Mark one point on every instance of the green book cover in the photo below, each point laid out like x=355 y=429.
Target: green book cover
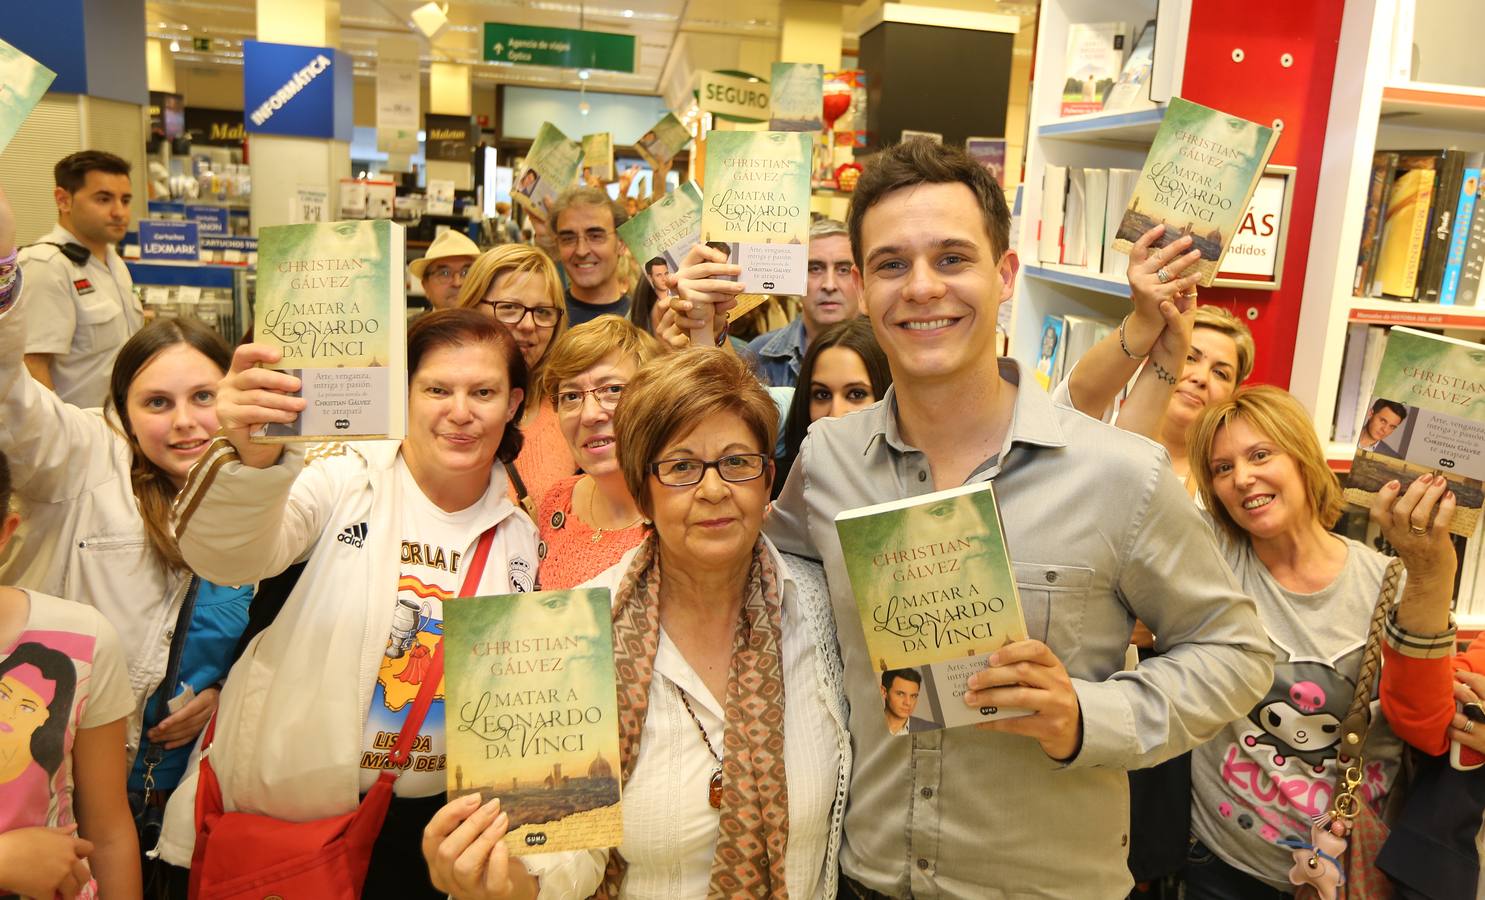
x=797 y=100
x=1201 y=172
x=23 y=81
x=756 y=206
x=331 y=298
x=666 y=231
x=531 y=714
x=663 y=141
x=551 y=167
x=598 y=157
x=1426 y=416
x=936 y=593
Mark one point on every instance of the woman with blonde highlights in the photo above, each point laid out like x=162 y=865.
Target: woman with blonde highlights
x=1261 y=470
x=734 y=747
x=519 y=287
x=588 y=521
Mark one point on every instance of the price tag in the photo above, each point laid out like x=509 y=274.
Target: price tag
x=231 y=256
x=188 y=294
x=156 y=296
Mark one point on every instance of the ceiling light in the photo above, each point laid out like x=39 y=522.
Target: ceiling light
x=583 y=74
x=175 y=46
x=628 y=13
x=430 y=18
x=583 y=108
x=752 y=80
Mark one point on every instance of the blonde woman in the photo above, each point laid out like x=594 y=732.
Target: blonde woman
x=519 y=287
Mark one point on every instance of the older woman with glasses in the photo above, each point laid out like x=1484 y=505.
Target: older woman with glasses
x=518 y=285
x=588 y=521
x=734 y=746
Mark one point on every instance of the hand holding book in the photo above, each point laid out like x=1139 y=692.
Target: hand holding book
x=705 y=289
x=467 y=855
x=1156 y=277
x=252 y=396
x=1416 y=523
x=1027 y=675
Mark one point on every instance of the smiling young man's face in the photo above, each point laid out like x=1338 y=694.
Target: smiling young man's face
x=932 y=283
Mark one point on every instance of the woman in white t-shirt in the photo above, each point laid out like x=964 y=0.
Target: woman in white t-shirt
x=65 y=826
x=388 y=531
x=1259 y=784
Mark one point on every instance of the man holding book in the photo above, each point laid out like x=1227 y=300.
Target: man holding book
x=586 y=223
x=1100 y=533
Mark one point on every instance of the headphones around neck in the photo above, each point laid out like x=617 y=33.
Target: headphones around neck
x=76 y=253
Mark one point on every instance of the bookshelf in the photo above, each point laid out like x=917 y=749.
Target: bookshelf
x=1370 y=112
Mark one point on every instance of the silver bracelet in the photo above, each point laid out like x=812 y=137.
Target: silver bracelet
x=1123 y=346
x=1163 y=373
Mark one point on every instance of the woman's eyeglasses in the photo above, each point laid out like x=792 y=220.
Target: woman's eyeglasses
x=735 y=467
x=508 y=313
x=607 y=397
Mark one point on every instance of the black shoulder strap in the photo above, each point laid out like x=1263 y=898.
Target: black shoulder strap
x=170 y=685
x=522 y=497
x=76 y=253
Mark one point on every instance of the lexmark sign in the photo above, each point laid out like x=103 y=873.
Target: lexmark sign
x=294 y=85
x=293 y=90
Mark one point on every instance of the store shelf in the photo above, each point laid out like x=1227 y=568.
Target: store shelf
x=1079 y=277
x=1136 y=127
x=1375 y=311
x=1441 y=106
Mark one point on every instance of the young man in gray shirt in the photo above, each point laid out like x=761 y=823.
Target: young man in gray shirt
x=1099 y=531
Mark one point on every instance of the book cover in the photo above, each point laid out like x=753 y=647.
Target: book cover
x=531 y=714
x=1201 y=172
x=598 y=157
x=1404 y=232
x=1432 y=421
x=936 y=592
x=1473 y=267
x=796 y=92
x=1384 y=163
x=663 y=141
x=665 y=231
x=1440 y=222
x=1132 y=90
x=756 y=206
x=1459 y=229
x=331 y=298
x=551 y=167
x=990 y=153
x=23 y=81
x=1095 y=58
x=1046 y=358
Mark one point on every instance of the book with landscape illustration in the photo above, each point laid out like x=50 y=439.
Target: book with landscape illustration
x=23 y=81
x=331 y=299
x=756 y=207
x=1431 y=389
x=598 y=157
x=796 y=97
x=551 y=167
x=1201 y=172
x=1095 y=57
x=936 y=593
x=663 y=141
x=1132 y=90
x=531 y=715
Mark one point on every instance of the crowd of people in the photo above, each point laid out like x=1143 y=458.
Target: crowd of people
x=238 y=616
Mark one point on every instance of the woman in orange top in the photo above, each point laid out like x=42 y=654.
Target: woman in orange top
x=588 y=521
x=519 y=286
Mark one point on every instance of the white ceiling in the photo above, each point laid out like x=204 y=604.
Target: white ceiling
x=656 y=24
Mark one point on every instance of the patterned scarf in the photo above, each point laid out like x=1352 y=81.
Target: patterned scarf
x=754 y=830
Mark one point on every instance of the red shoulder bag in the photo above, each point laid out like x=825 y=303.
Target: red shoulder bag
x=244 y=856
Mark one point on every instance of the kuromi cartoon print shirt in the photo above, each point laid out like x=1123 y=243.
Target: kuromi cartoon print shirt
x=1269 y=773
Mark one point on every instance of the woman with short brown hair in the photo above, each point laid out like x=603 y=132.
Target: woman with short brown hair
x=729 y=672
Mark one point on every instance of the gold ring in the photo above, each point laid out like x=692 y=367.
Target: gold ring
x=1416 y=530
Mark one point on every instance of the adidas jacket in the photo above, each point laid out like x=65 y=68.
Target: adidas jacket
x=81 y=535
x=289 y=727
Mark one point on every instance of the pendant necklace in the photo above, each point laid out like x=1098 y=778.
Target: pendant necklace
x=714 y=790
x=598 y=532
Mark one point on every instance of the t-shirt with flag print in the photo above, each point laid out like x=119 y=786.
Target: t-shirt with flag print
x=434 y=546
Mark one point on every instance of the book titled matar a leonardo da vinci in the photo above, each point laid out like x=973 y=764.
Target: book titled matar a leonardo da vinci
x=331 y=299
x=531 y=714
x=1203 y=167
x=756 y=206
x=936 y=593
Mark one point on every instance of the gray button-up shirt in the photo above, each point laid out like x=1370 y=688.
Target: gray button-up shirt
x=1100 y=532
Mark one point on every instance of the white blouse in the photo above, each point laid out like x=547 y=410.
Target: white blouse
x=670 y=828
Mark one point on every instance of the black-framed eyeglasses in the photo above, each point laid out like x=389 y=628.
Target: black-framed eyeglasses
x=596 y=237
x=509 y=313
x=607 y=397
x=734 y=467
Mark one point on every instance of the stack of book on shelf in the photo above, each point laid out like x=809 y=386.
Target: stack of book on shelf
x=1423 y=237
x=1064 y=341
x=1102 y=72
x=1081 y=209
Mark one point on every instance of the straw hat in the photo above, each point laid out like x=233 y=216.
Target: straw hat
x=449 y=243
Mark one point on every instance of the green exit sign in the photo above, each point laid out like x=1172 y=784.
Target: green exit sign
x=569 y=48
x=201 y=45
